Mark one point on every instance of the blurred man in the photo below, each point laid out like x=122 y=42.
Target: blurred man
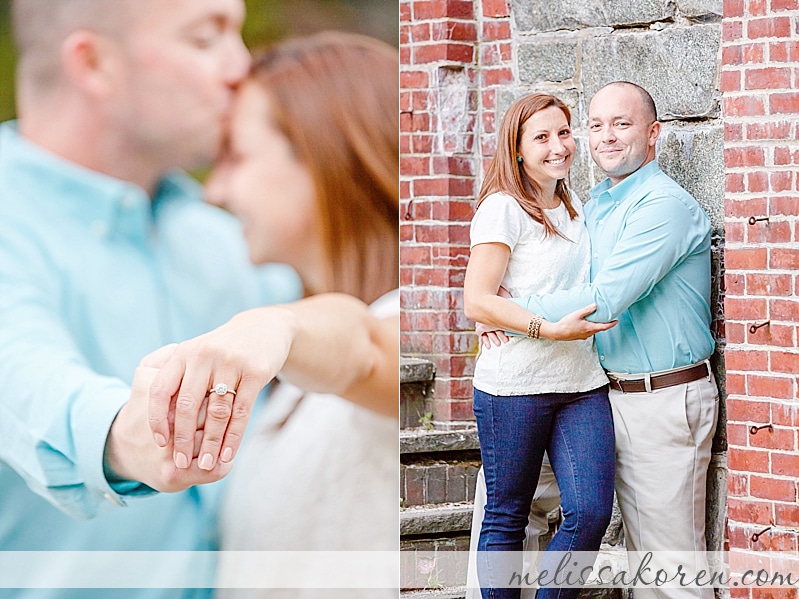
x=106 y=253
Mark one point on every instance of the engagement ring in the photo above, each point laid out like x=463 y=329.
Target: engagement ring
x=223 y=389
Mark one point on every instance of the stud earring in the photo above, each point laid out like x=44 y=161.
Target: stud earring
x=519 y=159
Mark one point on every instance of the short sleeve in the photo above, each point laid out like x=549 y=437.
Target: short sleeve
x=498 y=219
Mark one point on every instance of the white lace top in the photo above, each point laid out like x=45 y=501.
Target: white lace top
x=538 y=264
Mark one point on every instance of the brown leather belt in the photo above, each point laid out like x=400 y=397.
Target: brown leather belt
x=661 y=381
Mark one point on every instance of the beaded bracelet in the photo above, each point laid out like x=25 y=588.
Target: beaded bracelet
x=534 y=326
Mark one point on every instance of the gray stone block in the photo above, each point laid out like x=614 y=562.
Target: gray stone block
x=677 y=66
x=699 y=8
x=422 y=441
x=533 y=16
x=414 y=370
x=547 y=61
x=694 y=157
x=436 y=519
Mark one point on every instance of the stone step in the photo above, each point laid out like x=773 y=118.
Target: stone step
x=436 y=519
x=445 y=593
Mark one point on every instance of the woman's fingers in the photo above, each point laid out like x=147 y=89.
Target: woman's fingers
x=242 y=407
x=193 y=389
x=225 y=392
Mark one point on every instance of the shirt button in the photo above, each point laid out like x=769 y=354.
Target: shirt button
x=128 y=201
x=99 y=228
x=596 y=256
x=617 y=203
x=601 y=357
x=602 y=222
x=112 y=499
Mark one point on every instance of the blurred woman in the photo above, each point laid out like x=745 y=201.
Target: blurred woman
x=311 y=170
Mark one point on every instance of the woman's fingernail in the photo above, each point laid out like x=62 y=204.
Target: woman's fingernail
x=207 y=462
x=181 y=461
x=160 y=440
x=227 y=454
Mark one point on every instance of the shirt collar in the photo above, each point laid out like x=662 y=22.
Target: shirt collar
x=108 y=205
x=625 y=188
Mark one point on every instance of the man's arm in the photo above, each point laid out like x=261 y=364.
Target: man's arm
x=658 y=235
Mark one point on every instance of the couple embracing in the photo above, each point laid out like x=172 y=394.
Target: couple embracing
x=637 y=404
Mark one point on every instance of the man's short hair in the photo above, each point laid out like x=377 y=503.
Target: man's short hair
x=646 y=98
x=41 y=26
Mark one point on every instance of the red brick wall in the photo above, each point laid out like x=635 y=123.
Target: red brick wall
x=760 y=76
x=449 y=49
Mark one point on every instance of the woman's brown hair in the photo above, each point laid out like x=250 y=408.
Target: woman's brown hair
x=335 y=97
x=506 y=174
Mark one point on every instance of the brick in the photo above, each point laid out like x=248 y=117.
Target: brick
x=773 y=387
x=784 y=51
x=743 y=106
x=405 y=11
x=772 y=488
x=414 y=165
x=784 y=258
x=462 y=411
x=788 y=206
x=784 y=103
x=768 y=284
x=775 y=335
x=497 y=76
x=769 y=27
x=744 y=308
x=731 y=30
x=785 y=464
x=777 y=5
x=496 y=30
x=786 y=515
x=769 y=130
x=785 y=413
x=787 y=310
x=730 y=81
x=733 y=132
x=771 y=232
x=416 y=343
x=414 y=79
x=756 y=8
x=746 y=156
x=733 y=8
x=737 y=484
x=777 y=541
x=780 y=181
x=436 y=277
x=756 y=182
x=455 y=31
x=745 y=360
x=784 y=362
x=751 y=512
x=496 y=8
x=746 y=460
x=736 y=385
x=414 y=485
x=746 y=208
x=416 y=255
x=782 y=438
x=733 y=182
x=768 y=78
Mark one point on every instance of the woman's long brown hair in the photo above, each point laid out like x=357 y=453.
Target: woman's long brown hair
x=506 y=174
x=335 y=97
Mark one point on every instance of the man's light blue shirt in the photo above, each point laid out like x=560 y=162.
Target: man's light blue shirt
x=94 y=274
x=650 y=269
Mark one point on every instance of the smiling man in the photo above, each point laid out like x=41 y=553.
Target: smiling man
x=107 y=253
x=650 y=270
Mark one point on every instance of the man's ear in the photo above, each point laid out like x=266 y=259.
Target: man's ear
x=654 y=132
x=90 y=62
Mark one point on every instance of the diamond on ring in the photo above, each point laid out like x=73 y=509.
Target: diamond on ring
x=223 y=389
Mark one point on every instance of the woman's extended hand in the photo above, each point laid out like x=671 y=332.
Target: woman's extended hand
x=574 y=326
x=243 y=354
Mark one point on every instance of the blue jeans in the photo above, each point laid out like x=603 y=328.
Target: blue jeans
x=576 y=430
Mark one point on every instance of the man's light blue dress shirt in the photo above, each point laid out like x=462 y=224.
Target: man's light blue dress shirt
x=93 y=276
x=650 y=269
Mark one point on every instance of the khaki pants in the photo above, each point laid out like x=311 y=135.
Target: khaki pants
x=663 y=442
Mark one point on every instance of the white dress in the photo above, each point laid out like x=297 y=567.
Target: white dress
x=327 y=480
